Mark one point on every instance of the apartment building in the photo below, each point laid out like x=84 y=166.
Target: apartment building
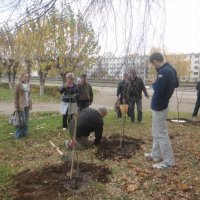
x=194 y=74
x=109 y=66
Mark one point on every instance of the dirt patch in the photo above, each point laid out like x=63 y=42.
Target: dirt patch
x=53 y=182
x=184 y=121
x=110 y=148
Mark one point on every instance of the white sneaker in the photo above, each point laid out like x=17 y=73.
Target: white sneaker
x=64 y=129
x=161 y=165
x=148 y=156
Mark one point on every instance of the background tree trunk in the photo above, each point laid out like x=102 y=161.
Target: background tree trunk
x=9 y=80
x=41 y=89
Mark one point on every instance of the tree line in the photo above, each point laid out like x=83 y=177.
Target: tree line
x=54 y=44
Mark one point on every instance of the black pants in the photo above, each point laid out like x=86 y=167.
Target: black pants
x=66 y=120
x=197 y=105
x=83 y=104
x=138 y=102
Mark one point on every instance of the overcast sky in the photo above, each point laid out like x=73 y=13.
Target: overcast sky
x=183 y=26
x=181 y=29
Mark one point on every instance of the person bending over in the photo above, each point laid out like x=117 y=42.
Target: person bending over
x=89 y=120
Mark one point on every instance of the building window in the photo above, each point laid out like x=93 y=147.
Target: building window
x=196 y=67
x=196 y=73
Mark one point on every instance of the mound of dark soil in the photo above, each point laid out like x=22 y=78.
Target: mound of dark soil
x=110 y=148
x=53 y=182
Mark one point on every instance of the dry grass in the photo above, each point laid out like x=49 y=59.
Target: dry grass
x=130 y=179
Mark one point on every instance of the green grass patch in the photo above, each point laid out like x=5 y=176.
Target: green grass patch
x=6 y=172
x=8 y=96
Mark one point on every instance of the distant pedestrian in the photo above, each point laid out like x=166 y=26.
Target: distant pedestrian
x=122 y=94
x=197 y=105
x=85 y=93
x=163 y=88
x=135 y=89
x=23 y=104
x=69 y=97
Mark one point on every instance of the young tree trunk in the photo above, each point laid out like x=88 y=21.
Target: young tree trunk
x=28 y=66
x=9 y=80
x=0 y=77
x=14 y=77
x=41 y=75
x=41 y=89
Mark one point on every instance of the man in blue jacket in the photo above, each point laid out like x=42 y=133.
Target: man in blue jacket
x=163 y=88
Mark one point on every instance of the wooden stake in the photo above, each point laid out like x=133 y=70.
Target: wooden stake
x=123 y=129
x=74 y=138
x=77 y=166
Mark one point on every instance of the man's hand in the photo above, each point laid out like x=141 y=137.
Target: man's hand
x=72 y=143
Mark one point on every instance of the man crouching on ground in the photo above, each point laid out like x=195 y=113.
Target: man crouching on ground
x=89 y=120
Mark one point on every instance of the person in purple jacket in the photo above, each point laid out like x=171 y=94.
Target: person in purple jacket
x=163 y=88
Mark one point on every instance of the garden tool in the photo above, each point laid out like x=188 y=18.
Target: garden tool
x=64 y=157
x=73 y=147
x=124 y=111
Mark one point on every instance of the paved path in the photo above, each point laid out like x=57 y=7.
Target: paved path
x=107 y=96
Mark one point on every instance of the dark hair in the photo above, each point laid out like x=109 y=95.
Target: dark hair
x=83 y=76
x=156 y=56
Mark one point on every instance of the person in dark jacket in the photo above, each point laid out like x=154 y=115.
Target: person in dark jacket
x=135 y=89
x=85 y=93
x=197 y=105
x=122 y=93
x=163 y=88
x=69 y=97
x=89 y=120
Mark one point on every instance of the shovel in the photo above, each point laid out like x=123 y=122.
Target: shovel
x=64 y=157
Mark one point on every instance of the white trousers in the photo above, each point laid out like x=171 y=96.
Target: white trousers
x=161 y=144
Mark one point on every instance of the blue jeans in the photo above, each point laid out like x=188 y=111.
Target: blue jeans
x=23 y=131
x=138 y=102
